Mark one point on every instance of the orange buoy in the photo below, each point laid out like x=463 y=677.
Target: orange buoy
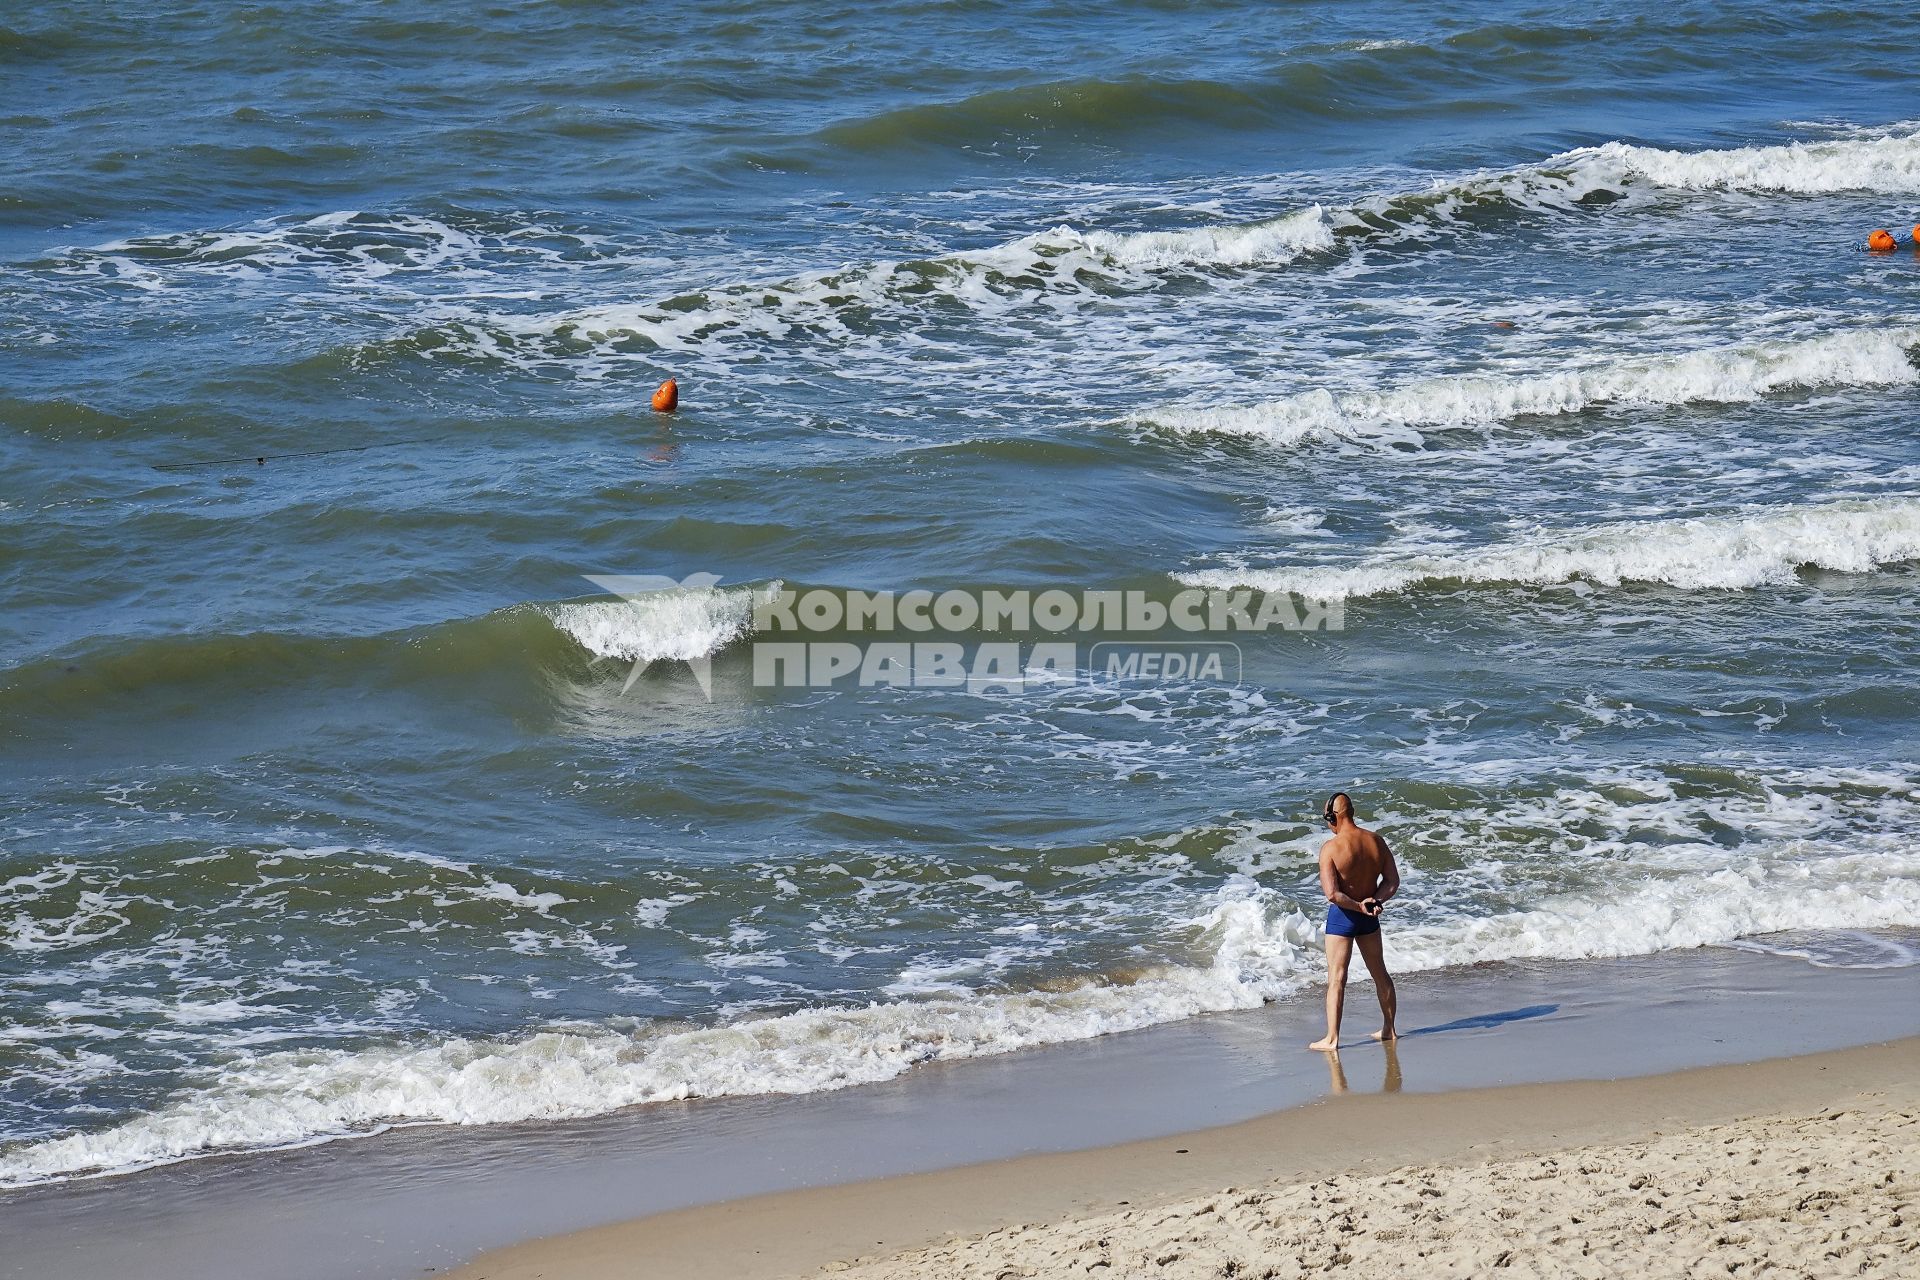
x=1503 y=324
x=1880 y=241
x=667 y=398
x=1916 y=234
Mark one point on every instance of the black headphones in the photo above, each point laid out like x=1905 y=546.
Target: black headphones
x=1328 y=810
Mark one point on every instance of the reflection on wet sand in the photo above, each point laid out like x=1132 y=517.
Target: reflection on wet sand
x=1390 y=1078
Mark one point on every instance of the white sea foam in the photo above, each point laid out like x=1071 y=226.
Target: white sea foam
x=1251 y=945
x=1838 y=949
x=347 y=246
x=1730 y=375
x=1687 y=897
x=1053 y=266
x=1277 y=240
x=1888 y=163
x=680 y=625
x=1750 y=549
x=96 y=917
x=1061 y=259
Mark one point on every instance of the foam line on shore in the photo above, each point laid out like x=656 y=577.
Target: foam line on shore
x=1256 y=947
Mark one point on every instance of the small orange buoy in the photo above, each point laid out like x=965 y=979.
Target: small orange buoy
x=667 y=398
x=1880 y=241
x=1503 y=324
x=1916 y=234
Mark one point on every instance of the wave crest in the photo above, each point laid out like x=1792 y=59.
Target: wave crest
x=1752 y=549
x=1890 y=163
x=1276 y=240
x=678 y=625
x=1733 y=375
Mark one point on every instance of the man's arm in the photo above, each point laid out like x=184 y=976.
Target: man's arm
x=1389 y=874
x=1330 y=883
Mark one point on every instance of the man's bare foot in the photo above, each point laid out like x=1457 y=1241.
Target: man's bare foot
x=1383 y=1035
x=1328 y=1045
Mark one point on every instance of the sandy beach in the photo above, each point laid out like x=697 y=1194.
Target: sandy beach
x=1808 y=1166
x=1818 y=1195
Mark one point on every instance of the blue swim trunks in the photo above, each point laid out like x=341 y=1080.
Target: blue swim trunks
x=1350 y=924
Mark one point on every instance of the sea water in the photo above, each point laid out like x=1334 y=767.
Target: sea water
x=1538 y=341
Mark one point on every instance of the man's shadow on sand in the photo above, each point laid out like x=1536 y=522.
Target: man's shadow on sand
x=1482 y=1021
x=1391 y=1080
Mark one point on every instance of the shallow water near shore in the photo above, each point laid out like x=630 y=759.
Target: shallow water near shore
x=1543 y=341
x=407 y=1202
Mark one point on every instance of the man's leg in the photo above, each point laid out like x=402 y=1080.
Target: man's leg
x=1339 y=956
x=1376 y=958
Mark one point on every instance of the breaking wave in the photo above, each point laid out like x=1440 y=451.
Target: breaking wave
x=1733 y=375
x=677 y=624
x=1060 y=260
x=1071 y=260
x=1889 y=163
x=364 y=248
x=518 y=641
x=1728 y=552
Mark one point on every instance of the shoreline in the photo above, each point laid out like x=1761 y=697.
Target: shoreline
x=872 y=1227
x=424 y=1201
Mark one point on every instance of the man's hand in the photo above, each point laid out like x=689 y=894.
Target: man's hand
x=1372 y=906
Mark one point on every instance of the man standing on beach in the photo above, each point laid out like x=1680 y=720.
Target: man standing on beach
x=1358 y=876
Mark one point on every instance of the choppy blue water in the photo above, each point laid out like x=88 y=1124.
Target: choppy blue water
x=1543 y=337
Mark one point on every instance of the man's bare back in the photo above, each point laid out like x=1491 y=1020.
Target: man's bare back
x=1359 y=860
x=1357 y=876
